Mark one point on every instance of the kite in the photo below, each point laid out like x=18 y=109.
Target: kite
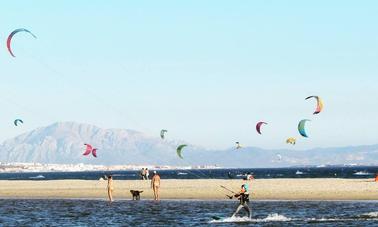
x=301 y=127
x=291 y=140
x=179 y=150
x=89 y=149
x=258 y=126
x=94 y=152
x=162 y=133
x=279 y=157
x=9 y=40
x=319 y=104
x=238 y=145
x=18 y=121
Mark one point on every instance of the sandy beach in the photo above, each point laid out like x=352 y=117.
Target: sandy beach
x=265 y=189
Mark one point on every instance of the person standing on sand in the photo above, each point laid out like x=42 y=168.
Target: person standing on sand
x=110 y=188
x=147 y=174
x=155 y=185
x=142 y=174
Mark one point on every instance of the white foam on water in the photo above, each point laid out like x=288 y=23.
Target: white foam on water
x=370 y=215
x=270 y=218
x=276 y=217
x=281 y=218
x=326 y=219
x=232 y=219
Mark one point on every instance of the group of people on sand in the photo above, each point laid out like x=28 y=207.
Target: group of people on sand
x=144 y=174
x=155 y=186
x=242 y=195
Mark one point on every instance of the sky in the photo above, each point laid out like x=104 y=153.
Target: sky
x=207 y=71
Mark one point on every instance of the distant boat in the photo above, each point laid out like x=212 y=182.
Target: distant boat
x=181 y=173
x=298 y=172
x=37 y=177
x=362 y=173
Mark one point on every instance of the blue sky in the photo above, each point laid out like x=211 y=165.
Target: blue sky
x=205 y=70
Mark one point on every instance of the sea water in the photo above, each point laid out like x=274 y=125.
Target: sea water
x=356 y=172
x=69 y=212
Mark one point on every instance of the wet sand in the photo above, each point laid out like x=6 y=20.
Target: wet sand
x=264 y=189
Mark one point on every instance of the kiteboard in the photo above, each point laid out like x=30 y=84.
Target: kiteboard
x=218 y=219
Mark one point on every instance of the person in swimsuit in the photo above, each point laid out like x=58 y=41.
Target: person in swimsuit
x=155 y=185
x=110 y=188
x=147 y=174
x=143 y=174
x=243 y=197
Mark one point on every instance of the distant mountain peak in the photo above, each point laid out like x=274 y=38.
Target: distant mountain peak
x=63 y=143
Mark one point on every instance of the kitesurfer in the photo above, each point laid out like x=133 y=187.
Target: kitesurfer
x=243 y=197
x=110 y=188
x=155 y=185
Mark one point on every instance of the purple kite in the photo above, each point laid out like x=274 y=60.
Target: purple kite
x=258 y=126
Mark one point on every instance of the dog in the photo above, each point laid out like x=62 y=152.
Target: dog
x=136 y=194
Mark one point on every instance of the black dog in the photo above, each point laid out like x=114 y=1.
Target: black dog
x=136 y=194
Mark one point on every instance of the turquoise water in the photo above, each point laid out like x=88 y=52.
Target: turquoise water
x=18 y=212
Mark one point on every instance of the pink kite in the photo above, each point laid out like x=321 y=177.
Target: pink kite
x=94 y=152
x=88 y=150
x=258 y=126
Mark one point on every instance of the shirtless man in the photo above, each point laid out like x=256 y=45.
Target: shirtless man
x=110 y=188
x=155 y=185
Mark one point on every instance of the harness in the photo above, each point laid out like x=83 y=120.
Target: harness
x=244 y=198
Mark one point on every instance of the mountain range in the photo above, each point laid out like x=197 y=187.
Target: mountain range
x=63 y=143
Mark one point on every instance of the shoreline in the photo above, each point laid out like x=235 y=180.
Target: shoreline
x=317 y=189
x=187 y=200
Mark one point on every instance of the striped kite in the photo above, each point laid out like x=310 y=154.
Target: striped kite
x=9 y=40
x=319 y=104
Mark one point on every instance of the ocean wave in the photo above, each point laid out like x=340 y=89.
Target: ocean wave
x=37 y=177
x=362 y=173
